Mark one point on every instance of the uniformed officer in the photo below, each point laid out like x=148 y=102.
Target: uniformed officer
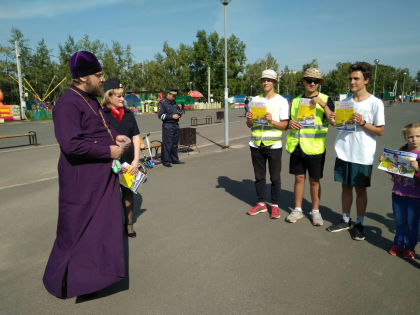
x=170 y=113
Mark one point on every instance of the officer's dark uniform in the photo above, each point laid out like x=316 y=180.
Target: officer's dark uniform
x=170 y=131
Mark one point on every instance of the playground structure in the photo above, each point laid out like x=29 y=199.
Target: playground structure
x=38 y=108
x=8 y=112
x=28 y=87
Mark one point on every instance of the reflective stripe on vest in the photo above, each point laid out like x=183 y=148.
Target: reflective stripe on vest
x=311 y=139
x=267 y=134
x=308 y=135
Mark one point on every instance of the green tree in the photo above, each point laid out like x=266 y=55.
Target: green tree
x=312 y=64
x=8 y=67
x=290 y=82
x=336 y=81
x=253 y=73
x=65 y=51
x=41 y=70
x=96 y=47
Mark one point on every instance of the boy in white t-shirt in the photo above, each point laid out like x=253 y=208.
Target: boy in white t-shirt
x=356 y=149
x=266 y=144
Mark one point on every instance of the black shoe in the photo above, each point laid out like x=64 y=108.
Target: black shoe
x=167 y=164
x=178 y=162
x=357 y=232
x=340 y=226
x=132 y=234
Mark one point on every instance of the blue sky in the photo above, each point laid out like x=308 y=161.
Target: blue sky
x=294 y=32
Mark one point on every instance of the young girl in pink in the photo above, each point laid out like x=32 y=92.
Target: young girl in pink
x=406 y=199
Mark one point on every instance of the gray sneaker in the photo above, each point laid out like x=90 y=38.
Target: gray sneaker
x=294 y=216
x=316 y=218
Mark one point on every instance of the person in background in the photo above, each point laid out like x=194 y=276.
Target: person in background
x=246 y=104
x=170 y=114
x=124 y=122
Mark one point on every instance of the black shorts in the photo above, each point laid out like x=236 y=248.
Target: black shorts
x=314 y=165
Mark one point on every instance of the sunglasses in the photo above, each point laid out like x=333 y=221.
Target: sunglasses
x=309 y=81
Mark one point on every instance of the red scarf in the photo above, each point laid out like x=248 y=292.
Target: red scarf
x=117 y=113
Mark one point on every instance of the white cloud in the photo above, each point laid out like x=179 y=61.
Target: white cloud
x=45 y=8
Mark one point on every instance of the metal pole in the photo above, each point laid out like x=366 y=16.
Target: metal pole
x=208 y=79
x=402 y=92
x=22 y=100
x=226 y=90
x=374 y=81
x=251 y=89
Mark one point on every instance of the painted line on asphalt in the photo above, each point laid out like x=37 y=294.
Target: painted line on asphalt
x=40 y=180
x=29 y=182
x=41 y=146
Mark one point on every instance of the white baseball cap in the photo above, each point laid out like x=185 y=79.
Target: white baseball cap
x=269 y=74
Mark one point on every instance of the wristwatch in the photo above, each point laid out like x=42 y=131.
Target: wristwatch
x=364 y=123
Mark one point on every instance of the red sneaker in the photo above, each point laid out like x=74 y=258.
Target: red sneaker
x=275 y=212
x=408 y=253
x=396 y=250
x=257 y=209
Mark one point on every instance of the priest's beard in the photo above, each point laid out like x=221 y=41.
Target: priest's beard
x=93 y=87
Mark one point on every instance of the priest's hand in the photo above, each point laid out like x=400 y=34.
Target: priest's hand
x=123 y=141
x=116 y=151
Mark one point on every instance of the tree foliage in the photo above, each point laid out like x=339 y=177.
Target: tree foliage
x=184 y=67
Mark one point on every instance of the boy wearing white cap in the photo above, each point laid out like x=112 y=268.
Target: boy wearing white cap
x=266 y=144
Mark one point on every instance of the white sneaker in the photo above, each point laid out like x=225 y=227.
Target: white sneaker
x=294 y=216
x=316 y=218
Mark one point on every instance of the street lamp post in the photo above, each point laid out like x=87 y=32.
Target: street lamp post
x=415 y=89
x=374 y=81
x=402 y=92
x=190 y=85
x=225 y=3
x=251 y=90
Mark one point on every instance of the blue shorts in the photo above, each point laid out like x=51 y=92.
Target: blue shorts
x=352 y=173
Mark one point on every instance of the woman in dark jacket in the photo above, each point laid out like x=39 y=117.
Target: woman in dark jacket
x=123 y=121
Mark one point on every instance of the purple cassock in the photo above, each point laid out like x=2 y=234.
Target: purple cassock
x=88 y=253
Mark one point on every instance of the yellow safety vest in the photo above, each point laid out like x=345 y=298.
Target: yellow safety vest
x=267 y=134
x=311 y=139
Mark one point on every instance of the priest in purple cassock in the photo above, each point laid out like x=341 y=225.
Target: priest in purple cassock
x=88 y=253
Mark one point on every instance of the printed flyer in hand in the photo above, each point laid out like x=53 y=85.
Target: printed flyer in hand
x=130 y=181
x=306 y=113
x=258 y=110
x=398 y=162
x=343 y=113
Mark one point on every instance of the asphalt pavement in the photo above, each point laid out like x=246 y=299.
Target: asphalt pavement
x=197 y=252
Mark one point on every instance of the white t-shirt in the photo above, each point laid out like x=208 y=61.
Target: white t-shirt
x=279 y=109
x=359 y=146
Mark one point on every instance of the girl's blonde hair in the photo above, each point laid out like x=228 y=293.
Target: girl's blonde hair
x=409 y=126
x=107 y=96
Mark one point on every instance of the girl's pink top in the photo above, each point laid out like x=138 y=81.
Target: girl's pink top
x=408 y=187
